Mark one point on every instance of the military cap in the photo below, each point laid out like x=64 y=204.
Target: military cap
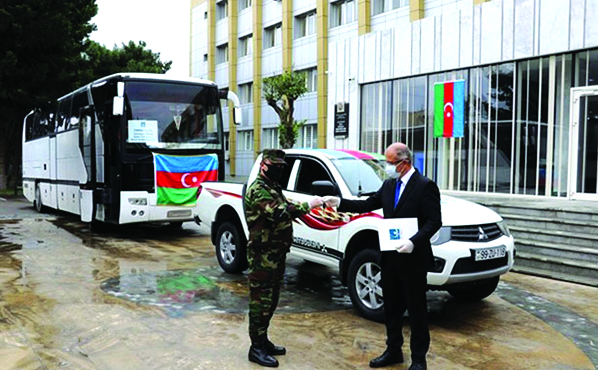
x=274 y=155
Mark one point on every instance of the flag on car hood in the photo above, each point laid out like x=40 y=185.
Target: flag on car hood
x=178 y=177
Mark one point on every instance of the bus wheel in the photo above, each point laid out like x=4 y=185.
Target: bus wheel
x=365 y=288
x=37 y=203
x=231 y=248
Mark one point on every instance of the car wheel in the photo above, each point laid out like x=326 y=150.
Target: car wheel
x=474 y=291
x=38 y=200
x=365 y=288
x=231 y=248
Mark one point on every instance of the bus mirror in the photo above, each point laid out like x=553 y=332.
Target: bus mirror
x=237 y=116
x=120 y=89
x=118 y=106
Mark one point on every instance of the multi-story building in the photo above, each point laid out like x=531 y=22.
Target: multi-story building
x=530 y=69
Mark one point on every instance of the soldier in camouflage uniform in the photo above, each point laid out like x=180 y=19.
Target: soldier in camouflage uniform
x=269 y=218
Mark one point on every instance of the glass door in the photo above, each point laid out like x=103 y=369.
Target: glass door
x=583 y=173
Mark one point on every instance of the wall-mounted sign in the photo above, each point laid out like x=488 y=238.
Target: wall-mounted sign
x=341 y=120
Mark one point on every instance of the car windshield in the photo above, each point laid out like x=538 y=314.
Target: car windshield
x=169 y=115
x=363 y=177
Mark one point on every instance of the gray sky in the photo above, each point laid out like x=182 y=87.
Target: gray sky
x=162 y=24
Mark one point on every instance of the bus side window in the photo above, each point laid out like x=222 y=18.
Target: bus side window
x=79 y=101
x=64 y=111
x=29 y=127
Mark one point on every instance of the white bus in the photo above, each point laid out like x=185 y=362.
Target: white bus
x=100 y=151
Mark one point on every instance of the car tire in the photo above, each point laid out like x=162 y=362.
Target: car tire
x=231 y=248
x=364 y=283
x=474 y=291
x=37 y=203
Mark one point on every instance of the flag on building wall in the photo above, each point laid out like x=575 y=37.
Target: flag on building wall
x=178 y=177
x=449 y=109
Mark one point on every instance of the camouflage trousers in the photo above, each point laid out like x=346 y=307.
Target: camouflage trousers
x=266 y=274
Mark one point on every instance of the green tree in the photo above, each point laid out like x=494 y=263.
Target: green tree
x=98 y=61
x=41 y=42
x=280 y=93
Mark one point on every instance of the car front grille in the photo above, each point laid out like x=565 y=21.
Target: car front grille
x=475 y=233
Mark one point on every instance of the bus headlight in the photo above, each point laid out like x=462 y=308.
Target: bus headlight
x=442 y=236
x=502 y=225
x=138 y=201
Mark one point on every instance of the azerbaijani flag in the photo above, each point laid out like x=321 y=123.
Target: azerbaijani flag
x=178 y=177
x=449 y=109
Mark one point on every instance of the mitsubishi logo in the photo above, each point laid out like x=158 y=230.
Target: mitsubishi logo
x=482 y=234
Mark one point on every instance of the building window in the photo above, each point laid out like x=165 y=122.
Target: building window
x=222 y=10
x=311 y=79
x=245 y=46
x=272 y=36
x=270 y=139
x=308 y=137
x=205 y=15
x=378 y=6
x=222 y=54
x=245 y=141
x=305 y=24
x=205 y=57
x=244 y=4
x=246 y=93
x=342 y=12
x=399 y=3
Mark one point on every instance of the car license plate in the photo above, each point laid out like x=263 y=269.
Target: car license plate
x=490 y=253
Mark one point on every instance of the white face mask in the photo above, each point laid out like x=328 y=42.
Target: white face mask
x=391 y=171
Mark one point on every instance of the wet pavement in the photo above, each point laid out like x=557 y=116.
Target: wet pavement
x=153 y=297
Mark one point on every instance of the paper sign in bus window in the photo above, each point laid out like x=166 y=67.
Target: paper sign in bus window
x=142 y=131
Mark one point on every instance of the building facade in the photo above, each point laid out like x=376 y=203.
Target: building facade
x=530 y=69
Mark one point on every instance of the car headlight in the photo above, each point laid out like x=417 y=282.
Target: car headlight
x=442 y=236
x=502 y=225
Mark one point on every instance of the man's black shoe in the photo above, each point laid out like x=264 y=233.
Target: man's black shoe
x=273 y=349
x=418 y=366
x=389 y=357
x=259 y=355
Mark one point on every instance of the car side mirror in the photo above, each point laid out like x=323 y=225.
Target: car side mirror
x=324 y=187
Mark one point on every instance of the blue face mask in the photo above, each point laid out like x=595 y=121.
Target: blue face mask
x=391 y=171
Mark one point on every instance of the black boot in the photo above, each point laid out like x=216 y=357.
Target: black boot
x=273 y=349
x=259 y=354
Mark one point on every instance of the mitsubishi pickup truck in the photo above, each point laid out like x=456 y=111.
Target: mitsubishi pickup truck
x=471 y=250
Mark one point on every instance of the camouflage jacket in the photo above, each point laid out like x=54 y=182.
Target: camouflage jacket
x=269 y=214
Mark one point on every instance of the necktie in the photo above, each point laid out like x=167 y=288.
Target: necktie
x=398 y=192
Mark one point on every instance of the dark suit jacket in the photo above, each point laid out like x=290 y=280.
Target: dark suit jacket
x=420 y=199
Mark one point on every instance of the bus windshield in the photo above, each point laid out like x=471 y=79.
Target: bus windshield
x=172 y=116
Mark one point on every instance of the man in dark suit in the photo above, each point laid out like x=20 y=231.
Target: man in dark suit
x=407 y=193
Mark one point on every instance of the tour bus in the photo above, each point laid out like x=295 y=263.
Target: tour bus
x=127 y=148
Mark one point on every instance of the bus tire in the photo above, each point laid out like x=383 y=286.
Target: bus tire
x=37 y=203
x=364 y=283
x=231 y=248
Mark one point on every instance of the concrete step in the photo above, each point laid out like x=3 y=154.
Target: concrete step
x=555 y=275
x=557 y=250
x=575 y=269
x=547 y=223
x=559 y=214
x=555 y=237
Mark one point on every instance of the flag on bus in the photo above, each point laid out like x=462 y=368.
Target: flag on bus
x=449 y=109
x=178 y=177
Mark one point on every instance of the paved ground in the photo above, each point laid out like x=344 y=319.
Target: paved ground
x=154 y=298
